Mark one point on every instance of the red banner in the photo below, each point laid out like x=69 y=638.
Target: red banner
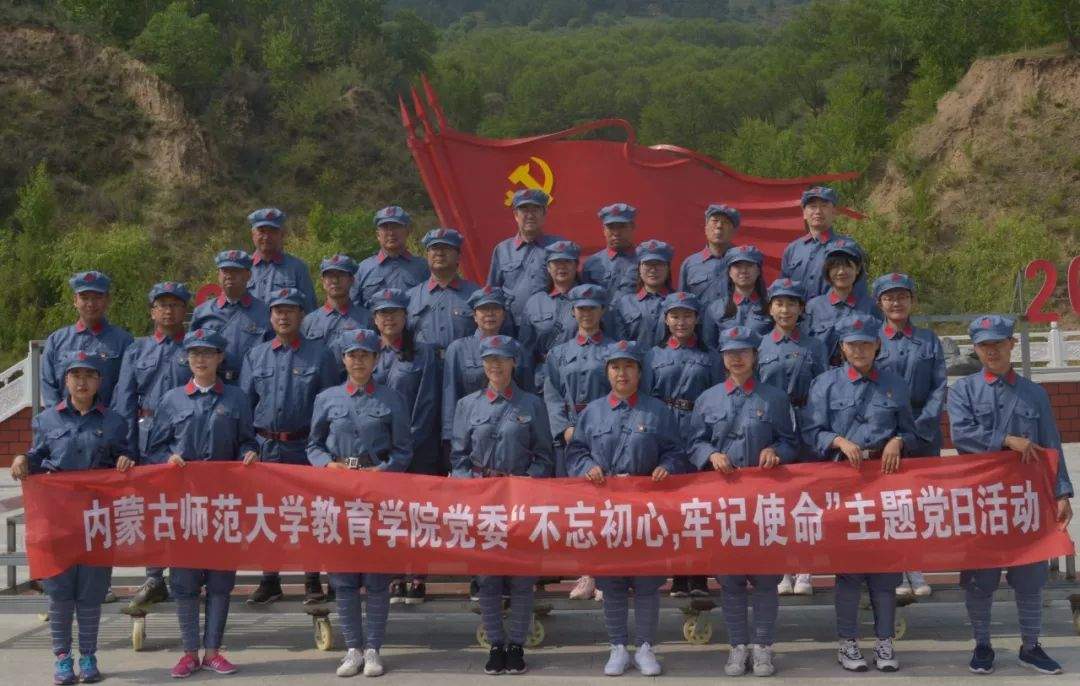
x=470 y=180
x=937 y=514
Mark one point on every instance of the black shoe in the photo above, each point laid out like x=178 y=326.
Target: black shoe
x=313 y=593
x=496 y=663
x=266 y=593
x=506 y=589
x=397 y=591
x=515 y=659
x=331 y=594
x=474 y=590
x=152 y=591
x=699 y=586
x=416 y=594
x=680 y=587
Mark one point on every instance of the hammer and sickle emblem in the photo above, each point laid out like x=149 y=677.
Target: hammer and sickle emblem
x=523 y=175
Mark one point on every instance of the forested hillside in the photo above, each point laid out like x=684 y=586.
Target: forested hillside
x=136 y=134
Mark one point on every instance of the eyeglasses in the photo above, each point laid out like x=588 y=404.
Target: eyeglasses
x=902 y=296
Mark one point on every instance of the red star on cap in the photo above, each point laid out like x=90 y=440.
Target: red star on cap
x=488 y=290
x=199 y=333
x=90 y=276
x=386 y=294
x=81 y=356
x=622 y=345
x=284 y=292
x=360 y=336
x=272 y=214
x=857 y=325
x=652 y=245
x=896 y=277
x=170 y=286
x=335 y=259
x=734 y=333
x=233 y=254
x=681 y=295
x=787 y=282
x=495 y=342
x=986 y=324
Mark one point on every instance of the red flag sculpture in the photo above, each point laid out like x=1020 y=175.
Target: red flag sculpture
x=471 y=179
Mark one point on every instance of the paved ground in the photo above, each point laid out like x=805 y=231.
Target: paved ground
x=276 y=649
x=421 y=648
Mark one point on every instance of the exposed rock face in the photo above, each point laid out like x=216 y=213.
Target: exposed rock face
x=172 y=151
x=1008 y=135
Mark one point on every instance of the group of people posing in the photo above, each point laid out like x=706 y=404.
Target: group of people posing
x=554 y=368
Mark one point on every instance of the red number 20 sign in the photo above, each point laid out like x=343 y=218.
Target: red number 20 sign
x=1049 y=271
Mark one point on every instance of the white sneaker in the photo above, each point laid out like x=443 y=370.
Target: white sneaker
x=646 y=661
x=736 y=661
x=618 y=661
x=803 y=585
x=598 y=596
x=922 y=590
x=918 y=584
x=904 y=589
x=584 y=589
x=351 y=663
x=884 y=657
x=785 y=585
x=373 y=665
x=762 y=657
x=850 y=657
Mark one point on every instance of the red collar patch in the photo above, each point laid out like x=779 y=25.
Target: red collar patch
x=614 y=400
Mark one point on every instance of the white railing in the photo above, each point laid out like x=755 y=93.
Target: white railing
x=15 y=388
x=1054 y=348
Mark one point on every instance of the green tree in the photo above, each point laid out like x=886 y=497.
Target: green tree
x=411 y=40
x=184 y=50
x=282 y=57
x=121 y=19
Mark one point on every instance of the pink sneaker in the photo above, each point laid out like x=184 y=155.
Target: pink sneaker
x=584 y=589
x=188 y=665
x=219 y=664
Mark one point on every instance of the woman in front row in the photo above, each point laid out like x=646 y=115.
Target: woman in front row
x=857 y=412
x=627 y=434
x=76 y=434
x=203 y=420
x=744 y=423
x=501 y=430
x=361 y=425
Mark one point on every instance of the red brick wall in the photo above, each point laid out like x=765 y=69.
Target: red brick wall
x=15 y=436
x=1064 y=401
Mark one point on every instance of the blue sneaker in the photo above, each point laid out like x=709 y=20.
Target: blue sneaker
x=64 y=672
x=88 y=671
x=982 y=660
x=1037 y=659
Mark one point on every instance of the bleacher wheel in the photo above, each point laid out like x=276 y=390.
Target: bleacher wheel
x=536 y=634
x=901 y=623
x=138 y=633
x=324 y=633
x=698 y=631
x=481 y=637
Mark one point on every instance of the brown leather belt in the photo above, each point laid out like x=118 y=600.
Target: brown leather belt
x=486 y=472
x=357 y=461
x=578 y=408
x=282 y=435
x=680 y=404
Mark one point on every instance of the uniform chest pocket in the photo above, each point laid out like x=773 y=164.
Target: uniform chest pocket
x=1027 y=421
x=224 y=421
x=379 y=414
x=698 y=277
x=339 y=417
x=984 y=414
x=882 y=410
x=842 y=404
